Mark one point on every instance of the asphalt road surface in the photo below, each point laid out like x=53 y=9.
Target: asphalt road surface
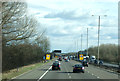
x=66 y=72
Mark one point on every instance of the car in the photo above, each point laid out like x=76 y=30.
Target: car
x=56 y=66
x=57 y=62
x=60 y=59
x=100 y=62
x=96 y=62
x=78 y=68
x=67 y=60
x=85 y=63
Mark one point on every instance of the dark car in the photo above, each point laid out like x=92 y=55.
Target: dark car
x=78 y=68
x=60 y=59
x=96 y=62
x=55 y=66
x=85 y=63
x=100 y=62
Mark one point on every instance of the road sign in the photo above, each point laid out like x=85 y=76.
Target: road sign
x=47 y=56
x=81 y=56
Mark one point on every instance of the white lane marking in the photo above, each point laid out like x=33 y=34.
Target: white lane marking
x=24 y=73
x=92 y=74
x=21 y=74
x=98 y=77
x=69 y=76
x=44 y=74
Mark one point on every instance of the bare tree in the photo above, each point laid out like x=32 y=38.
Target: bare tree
x=43 y=41
x=16 y=24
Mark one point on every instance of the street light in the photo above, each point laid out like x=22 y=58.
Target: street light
x=87 y=41
x=99 y=30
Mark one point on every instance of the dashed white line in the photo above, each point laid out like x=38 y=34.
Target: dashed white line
x=98 y=77
x=92 y=74
x=44 y=74
x=69 y=76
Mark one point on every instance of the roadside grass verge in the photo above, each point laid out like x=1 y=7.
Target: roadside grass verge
x=13 y=73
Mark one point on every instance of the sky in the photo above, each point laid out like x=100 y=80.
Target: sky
x=66 y=20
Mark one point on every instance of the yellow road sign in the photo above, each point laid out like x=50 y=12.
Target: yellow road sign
x=47 y=56
x=81 y=56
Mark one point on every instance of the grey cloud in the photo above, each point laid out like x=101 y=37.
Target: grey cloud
x=39 y=7
x=67 y=15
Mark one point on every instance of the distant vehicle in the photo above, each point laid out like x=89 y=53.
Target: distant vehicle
x=56 y=66
x=67 y=60
x=100 y=62
x=57 y=62
x=78 y=68
x=92 y=58
x=85 y=63
x=60 y=59
x=96 y=62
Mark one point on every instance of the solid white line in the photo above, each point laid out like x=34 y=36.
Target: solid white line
x=24 y=73
x=44 y=74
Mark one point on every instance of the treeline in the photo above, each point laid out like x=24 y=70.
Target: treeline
x=21 y=44
x=107 y=52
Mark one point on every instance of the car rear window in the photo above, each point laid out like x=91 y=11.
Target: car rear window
x=78 y=65
x=55 y=64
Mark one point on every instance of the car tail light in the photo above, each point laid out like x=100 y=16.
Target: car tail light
x=52 y=65
x=83 y=68
x=59 y=65
x=87 y=63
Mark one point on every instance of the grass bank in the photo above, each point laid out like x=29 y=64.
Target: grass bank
x=13 y=73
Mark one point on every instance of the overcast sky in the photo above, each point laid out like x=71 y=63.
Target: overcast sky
x=66 y=20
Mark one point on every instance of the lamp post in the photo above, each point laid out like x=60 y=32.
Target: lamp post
x=99 y=16
x=87 y=41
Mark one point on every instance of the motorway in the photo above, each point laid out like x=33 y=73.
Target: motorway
x=45 y=72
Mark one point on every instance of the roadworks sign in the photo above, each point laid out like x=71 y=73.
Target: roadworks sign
x=47 y=56
x=81 y=56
